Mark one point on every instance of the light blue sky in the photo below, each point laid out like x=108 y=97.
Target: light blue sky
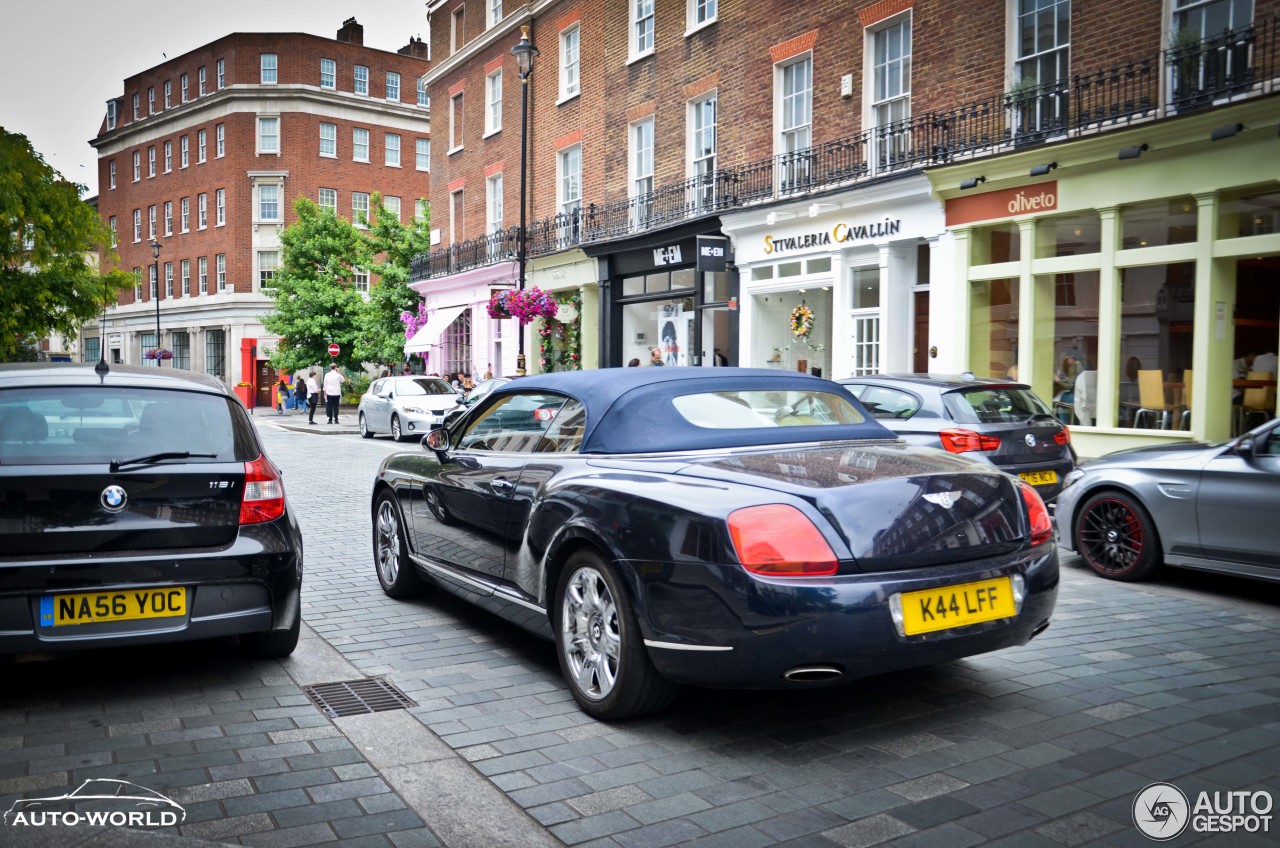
x=61 y=59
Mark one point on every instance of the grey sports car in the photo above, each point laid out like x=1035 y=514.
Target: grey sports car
x=1206 y=506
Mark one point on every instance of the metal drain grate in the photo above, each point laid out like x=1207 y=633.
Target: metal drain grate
x=357 y=697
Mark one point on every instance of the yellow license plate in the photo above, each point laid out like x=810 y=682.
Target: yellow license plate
x=957 y=606
x=1040 y=478
x=127 y=605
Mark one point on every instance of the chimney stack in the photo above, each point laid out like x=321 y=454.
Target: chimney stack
x=416 y=48
x=351 y=32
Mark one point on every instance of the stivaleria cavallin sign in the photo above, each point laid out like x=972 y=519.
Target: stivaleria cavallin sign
x=838 y=234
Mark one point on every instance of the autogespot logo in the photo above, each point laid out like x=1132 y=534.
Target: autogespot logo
x=1160 y=811
x=99 y=802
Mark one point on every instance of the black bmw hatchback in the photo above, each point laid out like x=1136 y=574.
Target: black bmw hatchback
x=137 y=506
x=1005 y=424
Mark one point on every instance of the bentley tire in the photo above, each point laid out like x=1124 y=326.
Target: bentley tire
x=391 y=552
x=599 y=645
x=1117 y=537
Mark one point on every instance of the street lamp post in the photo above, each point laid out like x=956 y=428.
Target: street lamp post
x=525 y=53
x=155 y=253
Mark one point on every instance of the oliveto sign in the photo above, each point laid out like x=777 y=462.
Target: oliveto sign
x=1041 y=197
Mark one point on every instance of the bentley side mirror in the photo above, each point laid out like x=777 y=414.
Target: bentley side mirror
x=437 y=440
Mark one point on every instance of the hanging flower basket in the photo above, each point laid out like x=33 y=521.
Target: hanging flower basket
x=801 y=322
x=524 y=305
x=157 y=353
x=498 y=303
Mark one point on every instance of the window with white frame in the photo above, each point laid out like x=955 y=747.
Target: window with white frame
x=220 y=207
x=137 y=165
x=891 y=90
x=642 y=169
x=151 y=100
x=569 y=59
x=151 y=161
x=392 y=205
x=865 y=319
x=360 y=209
x=168 y=94
x=268 y=135
x=220 y=141
x=215 y=353
x=493 y=203
x=422 y=154
x=202 y=274
x=137 y=226
x=701 y=12
x=200 y=81
x=137 y=109
x=184 y=86
x=362 y=80
x=795 y=86
x=111 y=222
x=268 y=202
x=495 y=12
x=391 y=150
x=420 y=209
x=493 y=102
x=185 y=206
x=360 y=145
x=702 y=150
x=456 y=209
x=111 y=115
x=168 y=156
x=202 y=210
x=222 y=73
x=153 y=278
x=328 y=73
x=393 y=86
x=360 y=279
x=202 y=138
x=186 y=278
x=329 y=199
x=180 y=341
x=221 y=270
x=137 y=284
x=168 y=279
x=641 y=27
x=328 y=139
x=268 y=69
x=111 y=173
x=168 y=217
x=1043 y=45
x=268 y=262
x=569 y=192
x=424 y=99
x=457 y=27
x=184 y=145
x=151 y=223
x=455 y=122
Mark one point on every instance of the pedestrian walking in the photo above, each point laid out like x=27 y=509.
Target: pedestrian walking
x=300 y=394
x=282 y=395
x=313 y=397
x=333 y=392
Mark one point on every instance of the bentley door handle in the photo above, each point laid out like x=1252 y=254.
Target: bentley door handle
x=502 y=484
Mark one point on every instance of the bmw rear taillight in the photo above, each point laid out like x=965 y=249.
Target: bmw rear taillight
x=777 y=540
x=962 y=441
x=263 y=498
x=1037 y=515
x=1062 y=437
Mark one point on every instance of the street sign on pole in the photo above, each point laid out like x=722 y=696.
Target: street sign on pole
x=334 y=350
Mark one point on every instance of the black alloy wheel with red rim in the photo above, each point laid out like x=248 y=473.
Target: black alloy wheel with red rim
x=1116 y=536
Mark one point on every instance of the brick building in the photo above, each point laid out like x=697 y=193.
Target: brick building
x=205 y=154
x=937 y=181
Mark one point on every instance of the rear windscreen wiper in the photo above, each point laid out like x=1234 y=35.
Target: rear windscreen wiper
x=118 y=464
x=1040 y=416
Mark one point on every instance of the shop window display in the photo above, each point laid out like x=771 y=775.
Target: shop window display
x=1252 y=212
x=998 y=243
x=993 y=328
x=1157 y=306
x=1067 y=358
x=1158 y=223
x=1069 y=235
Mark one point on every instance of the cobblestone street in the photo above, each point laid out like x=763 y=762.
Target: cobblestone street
x=1044 y=745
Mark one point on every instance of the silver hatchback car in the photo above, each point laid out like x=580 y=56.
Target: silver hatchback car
x=405 y=407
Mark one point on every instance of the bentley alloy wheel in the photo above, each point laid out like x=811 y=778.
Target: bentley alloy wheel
x=592 y=643
x=390 y=553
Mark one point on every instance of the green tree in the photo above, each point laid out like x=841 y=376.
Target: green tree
x=49 y=281
x=389 y=249
x=315 y=302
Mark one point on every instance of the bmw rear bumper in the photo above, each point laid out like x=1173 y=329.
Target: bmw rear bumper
x=721 y=626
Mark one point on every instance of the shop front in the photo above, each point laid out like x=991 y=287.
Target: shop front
x=571 y=340
x=1140 y=293
x=843 y=286
x=668 y=299
x=456 y=333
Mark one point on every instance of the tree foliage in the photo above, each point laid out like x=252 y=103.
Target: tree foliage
x=49 y=280
x=315 y=301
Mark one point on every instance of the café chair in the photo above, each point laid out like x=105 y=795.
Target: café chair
x=1186 y=400
x=1151 y=399
x=1260 y=401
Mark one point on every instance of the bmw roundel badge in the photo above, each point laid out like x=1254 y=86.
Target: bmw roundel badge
x=113 y=498
x=1031 y=440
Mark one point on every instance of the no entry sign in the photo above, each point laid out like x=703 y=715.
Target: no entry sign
x=334 y=350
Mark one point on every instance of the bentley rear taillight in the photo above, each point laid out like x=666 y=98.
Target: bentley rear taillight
x=780 y=541
x=962 y=441
x=1037 y=515
x=263 y=498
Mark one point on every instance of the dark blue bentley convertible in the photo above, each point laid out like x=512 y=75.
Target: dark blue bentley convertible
x=722 y=527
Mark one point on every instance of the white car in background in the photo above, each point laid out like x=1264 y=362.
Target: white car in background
x=405 y=407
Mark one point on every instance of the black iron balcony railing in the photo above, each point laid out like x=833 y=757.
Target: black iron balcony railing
x=1200 y=73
